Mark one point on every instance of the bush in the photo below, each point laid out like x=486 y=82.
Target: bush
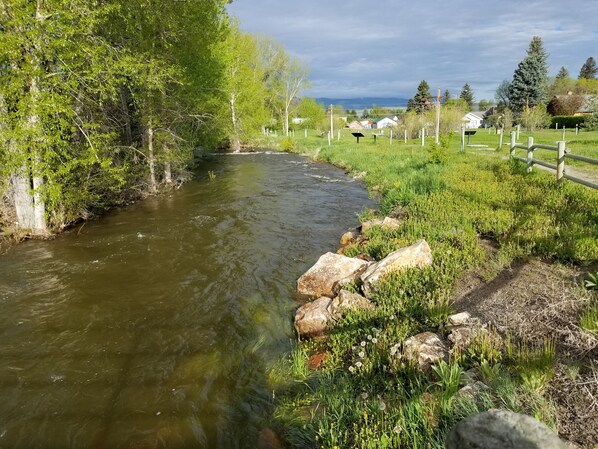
x=288 y=144
x=568 y=121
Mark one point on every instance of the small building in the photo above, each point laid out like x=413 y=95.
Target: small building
x=385 y=122
x=473 y=119
x=367 y=124
x=355 y=124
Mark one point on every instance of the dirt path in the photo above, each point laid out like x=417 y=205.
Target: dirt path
x=534 y=300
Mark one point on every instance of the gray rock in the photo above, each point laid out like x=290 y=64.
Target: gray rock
x=502 y=429
x=459 y=319
x=473 y=390
x=346 y=301
x=417 y=255
x=424 y=350
x=329 y=274
x=386 y=222
x=349 y=237
x=314 y=318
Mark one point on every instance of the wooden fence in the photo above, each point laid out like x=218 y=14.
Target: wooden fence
x=562 y=154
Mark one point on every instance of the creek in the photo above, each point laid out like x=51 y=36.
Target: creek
x=156 y=325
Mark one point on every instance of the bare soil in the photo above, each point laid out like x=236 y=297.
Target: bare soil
x=534 y=300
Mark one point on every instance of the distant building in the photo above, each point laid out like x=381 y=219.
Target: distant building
x=367 y=124
x=385 y=122
x=473 y=119
x=355 y=124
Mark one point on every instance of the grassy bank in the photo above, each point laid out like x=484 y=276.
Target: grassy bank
x=481 y=214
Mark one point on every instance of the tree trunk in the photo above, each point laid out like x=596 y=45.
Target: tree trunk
x=236 y=143
x=125 y=108
x=167 y=167
x=151 y=161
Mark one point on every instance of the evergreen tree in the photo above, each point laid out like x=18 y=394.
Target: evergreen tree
x=529 y=85
x=446 y=97
x=467 y=95
x=422 y=100
x=588 y=69
x=563 y=74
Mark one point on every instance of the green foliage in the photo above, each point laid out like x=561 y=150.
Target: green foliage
x=288 y=144
x=535 y=118
x=439 y=151
x=528 y=88
x=311 y=112
x=421 y=102
x=568 y=121
x=588 y=70
x=467 y=95
x=589 y=319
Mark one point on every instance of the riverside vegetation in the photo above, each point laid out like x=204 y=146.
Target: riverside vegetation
x=481 y=215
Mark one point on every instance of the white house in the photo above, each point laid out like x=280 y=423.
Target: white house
x=473 y=119
x=385 y=123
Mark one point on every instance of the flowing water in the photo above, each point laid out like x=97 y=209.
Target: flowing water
x=156 y=325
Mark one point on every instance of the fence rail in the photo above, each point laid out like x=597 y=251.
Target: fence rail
x=562 y=155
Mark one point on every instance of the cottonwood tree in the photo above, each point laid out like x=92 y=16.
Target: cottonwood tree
x=503 y=94
x=312 y=113
x=529 y=85
x=243 y=86
x=284 y=78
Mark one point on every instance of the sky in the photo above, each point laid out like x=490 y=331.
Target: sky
x=357 y=48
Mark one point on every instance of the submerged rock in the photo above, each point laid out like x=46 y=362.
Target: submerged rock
x=417 y=255
x=329 y=274
x=424 y=350
x=502 y=429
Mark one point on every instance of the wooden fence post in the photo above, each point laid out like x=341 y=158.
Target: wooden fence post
x=530 y=154
x=518 y=130
x=405 y=136
x=463 y=139
x=423 y=137
x=502 y=133
x=560 y=164
x=513 y=143
x=391 y=137
x=564 y=131
x=329 y=138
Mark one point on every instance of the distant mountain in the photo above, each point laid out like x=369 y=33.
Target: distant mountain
x=364 y=102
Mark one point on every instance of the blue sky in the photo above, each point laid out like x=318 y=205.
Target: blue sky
x=385 y=47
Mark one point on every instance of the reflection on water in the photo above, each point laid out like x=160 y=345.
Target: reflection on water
x=155 y=326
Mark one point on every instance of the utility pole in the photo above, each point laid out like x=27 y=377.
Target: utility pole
x=331 y=121
x=438 y=117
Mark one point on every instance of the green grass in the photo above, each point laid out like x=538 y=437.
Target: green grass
x=367 y=397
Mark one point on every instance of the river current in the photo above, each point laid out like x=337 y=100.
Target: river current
x=156 y=325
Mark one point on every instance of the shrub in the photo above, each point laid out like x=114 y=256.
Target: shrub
x=288 y=144
x=568 y=121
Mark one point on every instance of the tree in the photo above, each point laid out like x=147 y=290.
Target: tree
x=312 y=113
x=565 y=104
x=589 y=70
x=284 y=77
x=484 y=104
x=446 y=97
x=243 y=86
x=502 y=95
x=563 y=73
x=536 y=117
x=421 y=102
x=467 y=95
x=529 y=85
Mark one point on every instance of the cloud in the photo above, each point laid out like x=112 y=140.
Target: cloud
x=385 y=48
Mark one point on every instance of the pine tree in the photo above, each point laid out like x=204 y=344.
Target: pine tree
x=529 y=85
x=467 y=95
x=588 y=69
x=563 y=74
x=421 y=101
x=446 y=97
